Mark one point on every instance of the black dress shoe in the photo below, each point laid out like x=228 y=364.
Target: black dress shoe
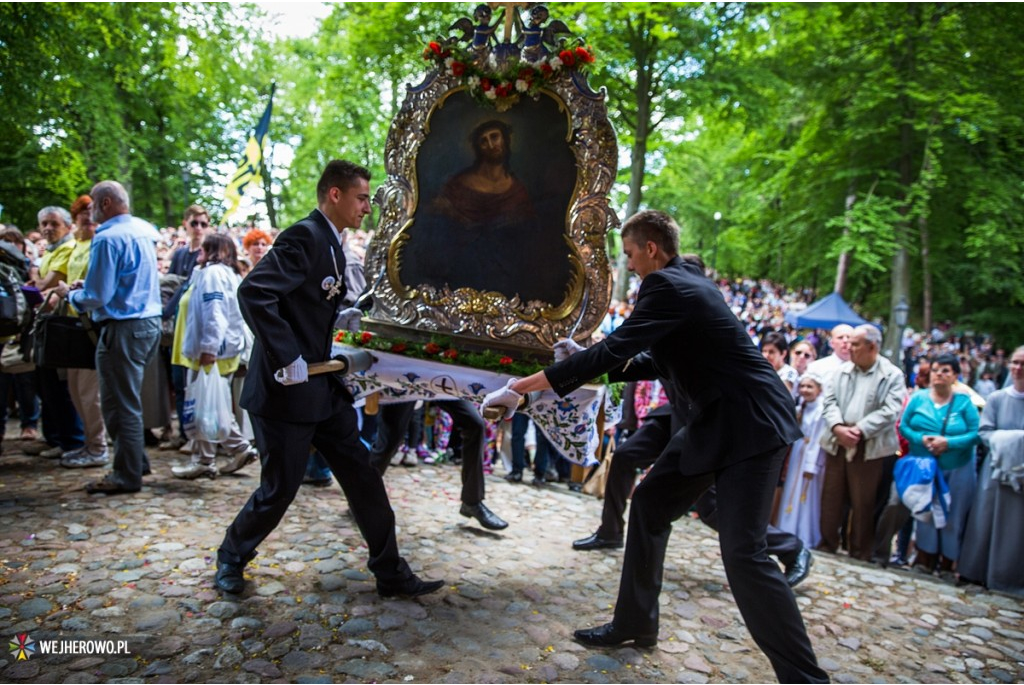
x=108 y=486
x=412 y=587
x=229 y=577
x=594 y=542
x=610 y=636
x=487 y=518
x=797 y=572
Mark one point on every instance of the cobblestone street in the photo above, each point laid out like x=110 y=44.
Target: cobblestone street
x=139 y=569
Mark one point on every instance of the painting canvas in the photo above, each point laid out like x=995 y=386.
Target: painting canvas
x=494 y=197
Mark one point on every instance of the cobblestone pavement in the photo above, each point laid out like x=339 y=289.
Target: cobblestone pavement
x=139 y=569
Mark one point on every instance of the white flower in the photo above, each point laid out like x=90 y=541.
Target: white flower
x=449 y=61
x=490 y=94
x=473 y=81
x=555 y=63
x=522 y=86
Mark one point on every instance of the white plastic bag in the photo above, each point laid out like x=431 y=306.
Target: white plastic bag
x=207 y=414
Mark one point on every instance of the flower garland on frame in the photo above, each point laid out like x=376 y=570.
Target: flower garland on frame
x=441 y=349
x=496 y=87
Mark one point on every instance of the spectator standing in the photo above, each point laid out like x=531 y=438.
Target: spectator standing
x=942 y=424
x=62 y=427
x=84 y=384
x=122 y=292
x=209 y=331
x=800 y=507
x=826 y=367
x=860 y=407
x=183 y=262
x=22 y=379
x=993 y=542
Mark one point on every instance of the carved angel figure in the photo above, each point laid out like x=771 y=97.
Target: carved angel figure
x=481 y=34
x=536 y=36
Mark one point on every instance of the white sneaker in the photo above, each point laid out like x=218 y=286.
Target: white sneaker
x=194 y=470
x=85 y=459
x=400 y=456
x=240 y=459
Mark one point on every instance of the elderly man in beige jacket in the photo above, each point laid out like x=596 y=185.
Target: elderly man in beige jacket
x=861 y=407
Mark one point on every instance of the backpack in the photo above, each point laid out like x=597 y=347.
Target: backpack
x=13 y=305
x=14 y=309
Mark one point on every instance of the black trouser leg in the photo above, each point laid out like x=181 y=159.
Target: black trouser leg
x=466 y=418
x=766 y=603
x=392 y=424
x=638 y=452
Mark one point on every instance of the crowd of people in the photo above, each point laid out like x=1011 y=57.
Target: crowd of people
x=829 y=423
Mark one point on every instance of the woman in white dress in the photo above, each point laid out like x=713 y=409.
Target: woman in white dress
x=800 y=508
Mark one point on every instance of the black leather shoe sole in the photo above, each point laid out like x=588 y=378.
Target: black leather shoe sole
x=415 y=589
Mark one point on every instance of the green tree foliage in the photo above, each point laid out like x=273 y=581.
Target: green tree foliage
x=152 y=95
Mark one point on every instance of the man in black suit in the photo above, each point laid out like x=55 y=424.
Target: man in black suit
x=741 y=423
x=290 y=301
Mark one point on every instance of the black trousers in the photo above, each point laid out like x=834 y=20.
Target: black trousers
x=393 y=421
x=285 y=447
x=766 y=603
x=639 y=451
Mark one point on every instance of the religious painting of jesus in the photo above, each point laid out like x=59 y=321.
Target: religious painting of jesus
x=493 y=201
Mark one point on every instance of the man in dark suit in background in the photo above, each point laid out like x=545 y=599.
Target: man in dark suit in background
x=291 y=301
x=741 y=424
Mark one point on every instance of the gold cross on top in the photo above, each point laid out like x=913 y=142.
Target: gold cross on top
x=509 y=8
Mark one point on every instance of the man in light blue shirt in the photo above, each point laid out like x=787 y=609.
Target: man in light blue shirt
x=121 y=291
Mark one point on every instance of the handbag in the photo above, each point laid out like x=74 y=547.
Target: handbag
x=595 y=484
x=62 y=341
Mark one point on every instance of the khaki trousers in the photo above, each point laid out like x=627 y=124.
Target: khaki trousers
x=84 y=388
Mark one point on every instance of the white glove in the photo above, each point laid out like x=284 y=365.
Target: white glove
x=349 y=319
x=505 y=399
x=565 y=348
x=294 y=373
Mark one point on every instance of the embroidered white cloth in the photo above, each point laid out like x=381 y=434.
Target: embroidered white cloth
x=570 y=423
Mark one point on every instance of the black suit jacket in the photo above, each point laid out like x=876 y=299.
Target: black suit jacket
x=738 y=407
x=285 y=304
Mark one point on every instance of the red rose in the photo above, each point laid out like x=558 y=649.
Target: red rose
x=398 y=348
x=451 y=353
x=568 y=59
x=546 y=70
x=435 y=47
x=526 y=73
x=584 y=56
x=505 y=361
x=339 y=337
x=485 y=84
x=503 y=90
x=365 y=337
x=458 y=68
x=431 y=348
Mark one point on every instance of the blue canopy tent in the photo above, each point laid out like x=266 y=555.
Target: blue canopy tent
x=828 y=312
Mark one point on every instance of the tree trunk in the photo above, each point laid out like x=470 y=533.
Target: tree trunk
x=638 y=158
x=900 y=276
x=843 y=267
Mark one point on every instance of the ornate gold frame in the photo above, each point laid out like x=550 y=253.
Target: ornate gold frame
x=531 y=326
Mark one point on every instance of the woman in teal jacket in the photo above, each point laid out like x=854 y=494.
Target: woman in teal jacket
x=942 y=424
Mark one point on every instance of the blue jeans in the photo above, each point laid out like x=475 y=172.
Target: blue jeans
x=25 y=392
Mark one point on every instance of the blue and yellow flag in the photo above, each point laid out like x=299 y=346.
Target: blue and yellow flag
x=249 y=168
